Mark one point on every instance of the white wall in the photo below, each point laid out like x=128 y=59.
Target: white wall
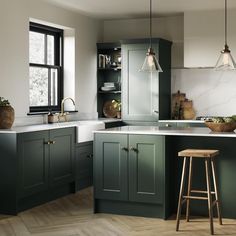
x=213 y=92
x=204 y=37
x=14 y=48
x=170 y=28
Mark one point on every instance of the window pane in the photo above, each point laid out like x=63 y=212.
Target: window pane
x=54 y=87
x=50 y=50
x=38 y=86
x=36 y=47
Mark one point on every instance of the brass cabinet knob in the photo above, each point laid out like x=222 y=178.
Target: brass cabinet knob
x=47 y=143
x=125 y=149
x=133 y=149
x=90 y=156
x=52 y=142
x=168 y=125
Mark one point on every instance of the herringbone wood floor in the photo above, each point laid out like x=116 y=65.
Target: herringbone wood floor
x=73 y=215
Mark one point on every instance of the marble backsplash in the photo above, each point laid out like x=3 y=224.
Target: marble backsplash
x=213 y=92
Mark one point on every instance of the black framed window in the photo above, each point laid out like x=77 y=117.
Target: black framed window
x=45 y=67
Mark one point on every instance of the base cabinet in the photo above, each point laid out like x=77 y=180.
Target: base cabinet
x=36 y=167
x=84 y=165
x=129 y=168
x=46 y=159
x=33 y=162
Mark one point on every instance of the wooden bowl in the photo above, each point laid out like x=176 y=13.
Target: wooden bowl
x=221 y=127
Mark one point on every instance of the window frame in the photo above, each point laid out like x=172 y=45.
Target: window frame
x=58 y=62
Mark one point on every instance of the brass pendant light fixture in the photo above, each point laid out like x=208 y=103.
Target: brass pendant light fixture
x=151 y=63
x=226 y=60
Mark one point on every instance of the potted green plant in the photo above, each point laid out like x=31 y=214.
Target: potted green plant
x=7 y=114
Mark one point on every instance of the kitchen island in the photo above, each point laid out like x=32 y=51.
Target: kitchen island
x=137 y=171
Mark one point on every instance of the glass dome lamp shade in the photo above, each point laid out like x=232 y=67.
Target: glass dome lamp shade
x=151 y=63
x=225 y=61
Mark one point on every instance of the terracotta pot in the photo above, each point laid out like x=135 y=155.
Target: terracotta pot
x=7 y=116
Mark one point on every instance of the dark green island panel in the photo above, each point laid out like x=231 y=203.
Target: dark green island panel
x=140 y=174
x=130 y=175
x=225 y=166
x=36 y=167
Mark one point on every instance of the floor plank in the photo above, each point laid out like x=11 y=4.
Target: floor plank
x=73 y=216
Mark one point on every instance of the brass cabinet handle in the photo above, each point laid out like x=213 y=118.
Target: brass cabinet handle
x=125 y=149
x=90 y=156
x=133 y=149
x=47 y=142
x=168 y=125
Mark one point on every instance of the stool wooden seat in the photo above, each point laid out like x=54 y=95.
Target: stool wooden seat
x=209 y=156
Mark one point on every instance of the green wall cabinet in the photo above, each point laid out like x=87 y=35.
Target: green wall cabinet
x=145 y=96
x=84 y=165
x=129 y=168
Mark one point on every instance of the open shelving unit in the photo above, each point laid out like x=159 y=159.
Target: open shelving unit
x=108 y=70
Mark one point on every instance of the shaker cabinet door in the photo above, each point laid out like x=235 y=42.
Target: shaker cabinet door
x=140 y=96
x=146 y=168
x=110 y=167
x=61 y=169
x=33 y=162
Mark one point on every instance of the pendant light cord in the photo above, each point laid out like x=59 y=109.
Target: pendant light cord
x=226 y=23
x=150 y=16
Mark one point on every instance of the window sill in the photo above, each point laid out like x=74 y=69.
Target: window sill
x=46 y=112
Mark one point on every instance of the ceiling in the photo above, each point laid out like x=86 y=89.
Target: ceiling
x=121 y=9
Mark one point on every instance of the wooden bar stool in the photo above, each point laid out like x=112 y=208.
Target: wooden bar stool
x=208 y=156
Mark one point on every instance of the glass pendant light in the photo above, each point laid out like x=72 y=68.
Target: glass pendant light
x=225 y=61
x=151 y=63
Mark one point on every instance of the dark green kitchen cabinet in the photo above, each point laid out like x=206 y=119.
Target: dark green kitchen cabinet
x=146 y=96
x=36 y=167
x=129 y=168
x=111 y=166
x=46 y=158
x=33 y=162
x=146 y=168
x=84 y=165
x=62 y=161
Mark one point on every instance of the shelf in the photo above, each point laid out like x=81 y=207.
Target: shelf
x=112 y=92
x=109 y=69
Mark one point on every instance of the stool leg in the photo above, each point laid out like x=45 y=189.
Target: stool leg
x=189 y=188
x=181 y=194
x=216 y=191
x=208 y=180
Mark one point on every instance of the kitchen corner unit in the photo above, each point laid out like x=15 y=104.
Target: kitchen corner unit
x=108 y=71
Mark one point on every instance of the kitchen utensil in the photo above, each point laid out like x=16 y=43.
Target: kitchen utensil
x=108 y=88
x=110 y=109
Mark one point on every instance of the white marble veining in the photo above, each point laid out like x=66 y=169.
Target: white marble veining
x=155 y=130
x=213 y=92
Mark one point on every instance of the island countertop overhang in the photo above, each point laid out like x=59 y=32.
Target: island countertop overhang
x=167 y=131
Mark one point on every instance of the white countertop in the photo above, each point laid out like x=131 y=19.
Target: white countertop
x=182 y=121
x=41 y=127
x=173 y=131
